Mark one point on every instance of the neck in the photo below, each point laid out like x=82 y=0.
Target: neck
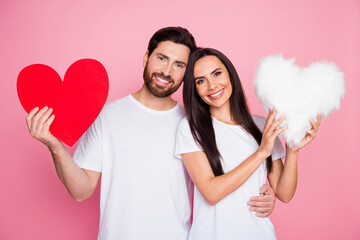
x=152 y=102
x=223 y=114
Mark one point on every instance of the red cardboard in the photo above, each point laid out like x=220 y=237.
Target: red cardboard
x=76 y=101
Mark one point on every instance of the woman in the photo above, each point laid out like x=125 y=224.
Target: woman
x=224 y=151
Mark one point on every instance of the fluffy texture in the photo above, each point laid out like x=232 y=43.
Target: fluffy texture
x=298 y=93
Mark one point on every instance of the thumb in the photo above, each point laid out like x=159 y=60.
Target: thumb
x=265 y=189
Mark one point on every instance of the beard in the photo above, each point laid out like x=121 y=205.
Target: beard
x=156 y=90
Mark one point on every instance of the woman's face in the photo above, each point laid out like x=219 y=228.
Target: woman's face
x=212 y=82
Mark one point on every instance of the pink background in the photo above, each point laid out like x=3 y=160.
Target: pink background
x=33 y=202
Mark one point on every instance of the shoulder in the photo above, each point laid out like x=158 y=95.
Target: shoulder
x=184 y=124
x=118 y=102
x=259 y=121
x=180 y=109
x=115 y=106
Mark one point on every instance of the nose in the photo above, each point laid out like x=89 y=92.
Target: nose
x=211 y=84
x=167 y=70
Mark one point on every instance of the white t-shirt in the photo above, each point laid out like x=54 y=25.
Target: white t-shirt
x=145 y=191
x=230 y=218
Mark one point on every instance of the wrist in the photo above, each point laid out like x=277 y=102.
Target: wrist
x=260 y=154
x=292 y=150
x=56 y=148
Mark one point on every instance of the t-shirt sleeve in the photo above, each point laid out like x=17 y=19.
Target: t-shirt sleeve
x=185 y=142
x=88 y=154
x=278 y=151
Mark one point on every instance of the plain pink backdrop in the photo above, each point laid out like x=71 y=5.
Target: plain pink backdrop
x=33 y=202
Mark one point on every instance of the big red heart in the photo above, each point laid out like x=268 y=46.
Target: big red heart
x=76 y=101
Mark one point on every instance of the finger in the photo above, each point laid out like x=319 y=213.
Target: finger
x=259 y=209
x=270 y=119
x=314 y=125
x=39 y=114
x=318 y=120
x=264 y=198
x=311 y=133
x=35 y=120
x=276 y=123
x=264 y=204
x=44 y=118
x=265 y=189
x=49 y=122
x=30 y=116
x=279 y=130
x=263 y=214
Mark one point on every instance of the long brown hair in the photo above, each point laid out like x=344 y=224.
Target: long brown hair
x=198 y=112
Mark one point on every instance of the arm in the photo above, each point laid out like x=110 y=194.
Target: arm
x=283 y=178
x=214 y=189
x=80 y=183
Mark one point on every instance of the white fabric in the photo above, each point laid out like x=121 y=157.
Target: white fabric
x=145 y=191
x=230 y=218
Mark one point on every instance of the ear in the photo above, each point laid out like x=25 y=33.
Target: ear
x=146 y=57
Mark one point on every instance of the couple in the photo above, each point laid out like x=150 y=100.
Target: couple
x=135 y=143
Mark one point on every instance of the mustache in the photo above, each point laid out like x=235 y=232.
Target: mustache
x=163 y=76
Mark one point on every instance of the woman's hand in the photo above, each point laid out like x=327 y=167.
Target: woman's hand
x=270 y=133
x=311 y=134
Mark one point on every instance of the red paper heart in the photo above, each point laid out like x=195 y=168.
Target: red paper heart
x=76 y=101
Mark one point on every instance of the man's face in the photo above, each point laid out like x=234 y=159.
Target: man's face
x=164 y=69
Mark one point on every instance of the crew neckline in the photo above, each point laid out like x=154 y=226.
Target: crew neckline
x=153 y=111
x=230 y=125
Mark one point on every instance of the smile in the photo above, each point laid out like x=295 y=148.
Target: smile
x=217 y=94
x=162 y=82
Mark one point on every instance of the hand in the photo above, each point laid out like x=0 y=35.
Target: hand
x=265 y=204
x=311 y=134
x=39 y=122
x=270 y=133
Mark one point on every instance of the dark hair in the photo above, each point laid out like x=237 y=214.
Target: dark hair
x=175 y=34
x=198 y=113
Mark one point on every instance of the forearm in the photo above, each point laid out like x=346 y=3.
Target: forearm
x=221 y=186
x=286 y=185
x=75 y=179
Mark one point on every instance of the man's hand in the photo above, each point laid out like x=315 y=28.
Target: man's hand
x=38 y=123
x=265 y=204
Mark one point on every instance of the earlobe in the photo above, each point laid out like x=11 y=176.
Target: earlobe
x=146 y=56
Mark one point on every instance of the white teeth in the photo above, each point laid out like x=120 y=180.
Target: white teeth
x=162 y=80
x=217 y=94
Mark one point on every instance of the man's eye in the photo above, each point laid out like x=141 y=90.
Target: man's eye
x=179 y=65
x=161 y=58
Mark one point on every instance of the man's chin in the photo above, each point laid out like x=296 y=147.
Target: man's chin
x=159 y=92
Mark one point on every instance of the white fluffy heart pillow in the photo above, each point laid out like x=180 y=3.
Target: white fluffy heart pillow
x=298 y=93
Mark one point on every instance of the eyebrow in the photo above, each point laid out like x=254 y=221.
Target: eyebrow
x=210 y=73
x=167 y=58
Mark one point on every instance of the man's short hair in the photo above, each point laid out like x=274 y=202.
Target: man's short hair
x=175 y=34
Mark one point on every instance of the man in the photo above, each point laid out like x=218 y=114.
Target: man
x=145 y=191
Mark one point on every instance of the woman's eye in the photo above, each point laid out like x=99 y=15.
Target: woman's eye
x=200 y=81
x=217 y=74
